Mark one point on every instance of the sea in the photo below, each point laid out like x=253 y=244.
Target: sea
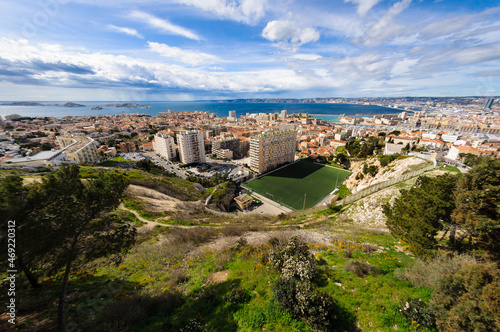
x=328 y=112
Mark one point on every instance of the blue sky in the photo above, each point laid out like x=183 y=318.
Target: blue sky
x=219 y=49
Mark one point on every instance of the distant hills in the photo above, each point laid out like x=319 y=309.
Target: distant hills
x=71 y=104
x=459 y=100
x=32 y=103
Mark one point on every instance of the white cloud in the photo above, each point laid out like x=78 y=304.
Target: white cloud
x=37 y=65
x=125 y=30
x=246 y=11
x=306 y=57
x=185 y=56
x=385 y=28
x=403 y=67
x=285 y=31
x=477 y=54
x=364 y=6
x=162 y=25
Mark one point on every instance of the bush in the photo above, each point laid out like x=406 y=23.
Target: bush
x=386 y=160
x=178 y=276
x=240 y=244
x=418 y=314
x=372 y=170
x=368 y=248
x=238 y=296
x=343 y=191
x=292 y=295
x=468 y=300
x=429 y=273
x=293 y=260
x=360 y=269
x=318 y=309
x=347 y=253
x=196 y=235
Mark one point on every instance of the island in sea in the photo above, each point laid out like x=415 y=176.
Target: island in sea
x=128 y=105
x=31 y=103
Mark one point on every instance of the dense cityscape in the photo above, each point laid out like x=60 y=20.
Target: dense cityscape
x=457 y=125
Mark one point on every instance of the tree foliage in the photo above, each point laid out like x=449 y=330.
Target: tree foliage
x=63 y=222
x=365 y=147
x=419 y=213
x=478 y=205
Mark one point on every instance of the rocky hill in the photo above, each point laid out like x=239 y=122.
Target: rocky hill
x=361 y=178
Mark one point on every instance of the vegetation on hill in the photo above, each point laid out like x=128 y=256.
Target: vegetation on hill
x=465 y=296
x=435 y=271
x=62 y=223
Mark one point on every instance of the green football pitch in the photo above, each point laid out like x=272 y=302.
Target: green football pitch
x=303 y=181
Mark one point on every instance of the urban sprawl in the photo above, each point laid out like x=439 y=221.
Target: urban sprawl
x=443 y=129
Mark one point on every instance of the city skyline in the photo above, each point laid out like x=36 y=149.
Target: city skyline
x=203 y=50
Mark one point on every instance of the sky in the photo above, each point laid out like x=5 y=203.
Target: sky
x=176 y=50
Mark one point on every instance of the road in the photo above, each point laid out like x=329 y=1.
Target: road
x=167 y=165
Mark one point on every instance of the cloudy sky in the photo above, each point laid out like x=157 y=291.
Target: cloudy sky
x=216 y=49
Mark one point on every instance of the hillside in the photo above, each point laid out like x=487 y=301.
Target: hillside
x=393 y=170
x=190 y=270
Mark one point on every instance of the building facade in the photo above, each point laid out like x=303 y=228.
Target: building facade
x=164 y=145
x=269 y=150
x=231 y=143
x=191 y=147
x=79 y=149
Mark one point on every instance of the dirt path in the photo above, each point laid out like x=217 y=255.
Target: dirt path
x=149 y=223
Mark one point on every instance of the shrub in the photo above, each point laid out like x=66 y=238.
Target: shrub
x=468 y=300
x=318 y=309
x=372 y=170
x=347 y=253
x=233 y=230
x=360 y=269
x=293 y=260
x=386 y=160
x=429 y=273
x=240 y=244
x=196 y=235
x=292 y=296
x=344 y=191
x=368 y=248
x=238 y=296
x=418 y=314
x=178 y=276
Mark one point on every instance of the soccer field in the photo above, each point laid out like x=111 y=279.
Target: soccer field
x=289 y=185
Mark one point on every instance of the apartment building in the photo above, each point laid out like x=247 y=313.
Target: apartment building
x=164 y=145
x=80 y=149
x=231 y=143
x=269 y=150
x=191 y=147
x=128 y=146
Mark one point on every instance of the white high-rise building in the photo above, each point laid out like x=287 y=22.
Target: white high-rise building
x=191 y=147
x=267 y=151
x=164 y=145
x=283 y=114
x=232 y=114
